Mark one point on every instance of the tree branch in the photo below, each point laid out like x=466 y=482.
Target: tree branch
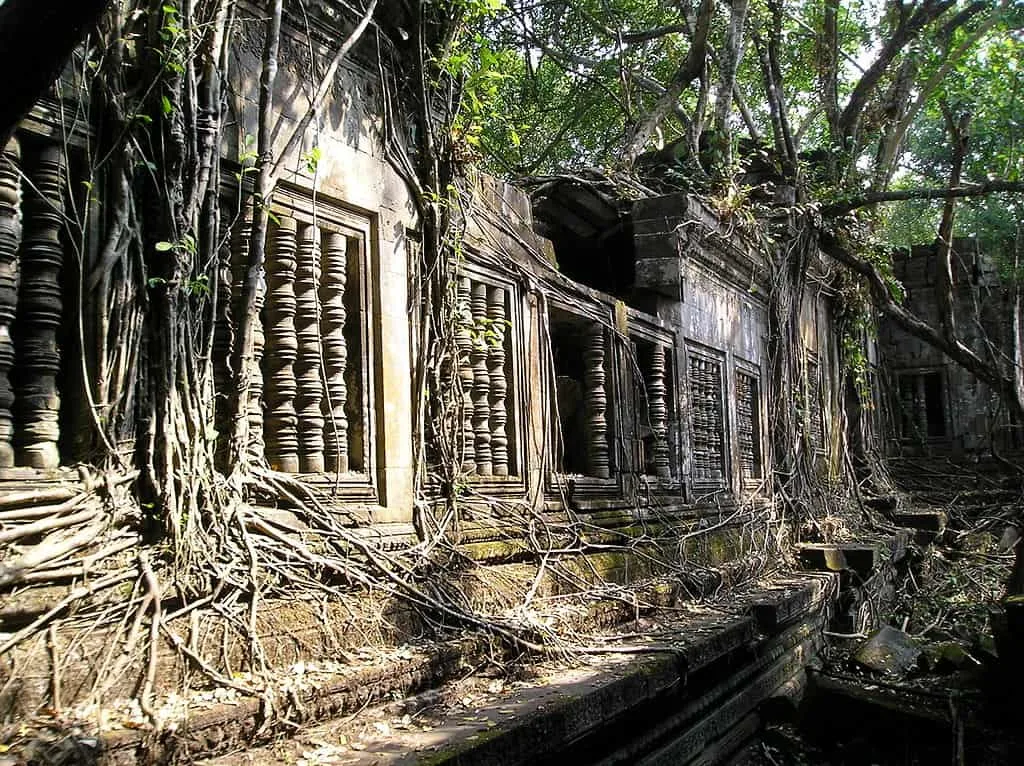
x=895 y=136
x=691 y=67
x=907 y=31
x=730 y=60
x=900 y=195
x=944 y=293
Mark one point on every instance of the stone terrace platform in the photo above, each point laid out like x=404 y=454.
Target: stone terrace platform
x=680 y=685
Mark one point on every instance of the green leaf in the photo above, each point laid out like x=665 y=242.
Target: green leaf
x=163 y=246
x=165 y=102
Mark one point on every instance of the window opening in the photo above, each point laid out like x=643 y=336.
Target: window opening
x=708 y=421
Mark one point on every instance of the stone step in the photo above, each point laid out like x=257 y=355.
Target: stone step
x=788 y=600
x=899 y=699
x=924 y=521
x=927 y=525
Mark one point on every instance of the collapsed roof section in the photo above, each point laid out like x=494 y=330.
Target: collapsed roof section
x=627 y=240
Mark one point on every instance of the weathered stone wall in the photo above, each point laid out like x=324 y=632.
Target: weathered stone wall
x=709 y=285
x=353 y=176
x=935 y=406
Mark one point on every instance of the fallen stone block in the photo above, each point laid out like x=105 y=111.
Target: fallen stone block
x=889 y=651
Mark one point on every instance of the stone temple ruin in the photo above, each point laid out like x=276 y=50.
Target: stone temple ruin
x=614 y=372
x=935 y=407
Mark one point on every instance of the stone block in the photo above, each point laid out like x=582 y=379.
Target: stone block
x=925 y=521
x=889 y=651
x=667 y=206
x=839 y=557
x=662 y=275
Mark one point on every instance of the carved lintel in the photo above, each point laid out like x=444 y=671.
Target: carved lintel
x=657 y=410
x=332 y=330
x=309 y=384
x=282 y=346
x=498 y=382
x=464 y=343
x=595 y=399
x=10 y=239
x=481 y=391
x=37 y=401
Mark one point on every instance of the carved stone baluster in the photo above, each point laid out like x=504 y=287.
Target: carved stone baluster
x=37 y=402
x=498 y=381
x=708 y=422
x=657 y=411
x=481 y=382
x=595 y=403
x=464 y=342
x=707 y=419
x=10 y=238
x=239 y=269
x=747 y=425
x=282 y=345
x=307 y=363
x=697 y=417
x=332 y=301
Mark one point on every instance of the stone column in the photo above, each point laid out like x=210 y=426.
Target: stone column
x=595 y=402
x=282 y=345
x=498 y=381
x=481 y=382
x=37 y=402
x=10 y=239
x=307 y=363
x=657 y=411
x=464 y=343
x=332 y=327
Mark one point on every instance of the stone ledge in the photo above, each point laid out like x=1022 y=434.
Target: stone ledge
x=702 y=639
x=667 y=705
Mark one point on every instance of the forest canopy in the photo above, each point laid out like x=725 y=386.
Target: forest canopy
x=861 y=94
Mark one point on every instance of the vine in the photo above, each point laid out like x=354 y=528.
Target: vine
x=165 y=543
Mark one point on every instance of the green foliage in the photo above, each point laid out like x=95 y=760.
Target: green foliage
x=312 y=160
x=186 y=245
x=247 y=158
x=174 y=37
x=989 y=84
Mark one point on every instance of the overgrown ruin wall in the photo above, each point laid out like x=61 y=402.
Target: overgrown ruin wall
x=642 y=412
x=934 y=406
